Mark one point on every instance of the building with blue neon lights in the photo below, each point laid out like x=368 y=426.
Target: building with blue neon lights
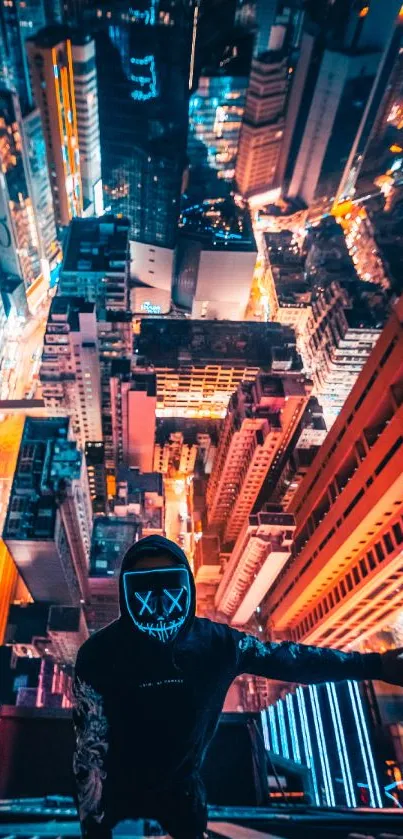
x=326 y=728
x=143 y=103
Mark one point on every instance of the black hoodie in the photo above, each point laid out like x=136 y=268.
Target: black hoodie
x=145 y=712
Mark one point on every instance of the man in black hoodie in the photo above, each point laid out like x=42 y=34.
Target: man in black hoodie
x=149 y=689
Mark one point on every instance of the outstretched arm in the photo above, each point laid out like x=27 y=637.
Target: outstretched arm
x=301 y=663
x=91 y=735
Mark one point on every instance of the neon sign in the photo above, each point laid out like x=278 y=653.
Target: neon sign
x=150 y=308
x=146 y=79
x=147 y=16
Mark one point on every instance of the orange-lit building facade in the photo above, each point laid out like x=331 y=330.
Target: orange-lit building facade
x=261 y=550
x=263 y=124
x=51 y=70
x=261 y=420
x=344 y=581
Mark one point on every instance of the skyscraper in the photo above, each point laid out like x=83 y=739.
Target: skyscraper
x=345 y=78
x=371 y=152
x=262 y=417
x=95 y=460
x=262 y=125
x=340 y=334
x=86 y=95
x=41 y=193
x=49 y=519
x=18 y=21
x=343 y=582
x=51 y=69
x=70 y=370
x=143 y=102
x=215 y=116
x=20 y=247
x=332 y=86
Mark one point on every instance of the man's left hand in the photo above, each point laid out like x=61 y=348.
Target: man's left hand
x=392 y=666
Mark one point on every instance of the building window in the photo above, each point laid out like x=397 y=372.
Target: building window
x=363 y=567
x=398 y=533
x=379 y=551
x=388 y=543
x=371 y=560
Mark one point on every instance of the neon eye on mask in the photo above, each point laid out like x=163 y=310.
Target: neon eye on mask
x=158 y=600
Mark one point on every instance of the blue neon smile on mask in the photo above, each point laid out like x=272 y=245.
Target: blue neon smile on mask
x=158 y=600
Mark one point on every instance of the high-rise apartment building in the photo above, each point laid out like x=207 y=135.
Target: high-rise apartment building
x=133 y=403
x=340 y=335
x=86 y=96
x=333 y=85
x=343 y=581
x=289 y=289
x=282 y=482
x=260 y=552
x=265 y=541
x=95 y=460
x=49 y=518
x=20 y=246
x=115 y=339
x=262 y=125
x=41 y=193
x=200 y=363
x=337 y=318
x=70 y=372
x=262 y=418
x=332 y=123
x=51 y=69
x=96 y=262
x=175 y=456
x=80 y=347
x=19 y=21
x=370 y=147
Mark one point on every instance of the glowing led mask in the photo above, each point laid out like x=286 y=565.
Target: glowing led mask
x=158 y=600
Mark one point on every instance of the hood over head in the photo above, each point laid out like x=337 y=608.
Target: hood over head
x=147 y=547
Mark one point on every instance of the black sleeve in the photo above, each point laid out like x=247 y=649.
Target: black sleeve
x=91 y=746
x=301 y=663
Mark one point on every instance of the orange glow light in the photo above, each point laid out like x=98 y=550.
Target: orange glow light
x=364 y=11
x=395 y=148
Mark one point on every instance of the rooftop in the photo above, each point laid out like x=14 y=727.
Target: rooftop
x=111 y=538
x=219 y=224
x=47 y=460
x=68 y=309
x=183 y=343
x=98 y=245
x=52 y=35
x=140 y=481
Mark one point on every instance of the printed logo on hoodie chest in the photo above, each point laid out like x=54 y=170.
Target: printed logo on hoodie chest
x=158 y=683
